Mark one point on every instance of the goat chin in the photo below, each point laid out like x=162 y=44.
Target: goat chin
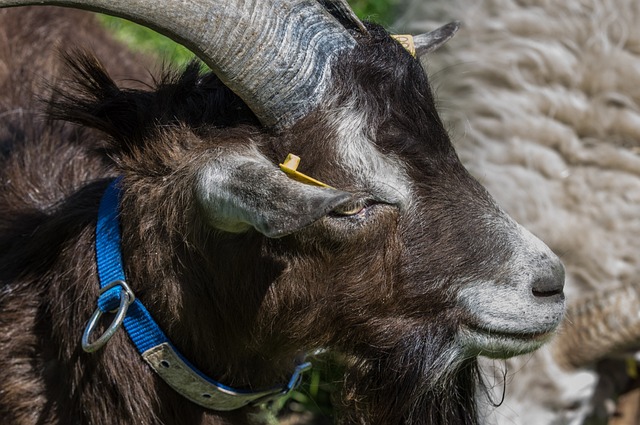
x=494 y=343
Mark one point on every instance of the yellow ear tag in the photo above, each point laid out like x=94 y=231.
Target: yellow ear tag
x=290 y=166
x=407 y=42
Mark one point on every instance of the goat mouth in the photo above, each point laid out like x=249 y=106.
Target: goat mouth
x=499 y=343
x=522 y=335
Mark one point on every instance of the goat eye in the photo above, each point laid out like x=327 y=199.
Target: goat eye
x=350 y=208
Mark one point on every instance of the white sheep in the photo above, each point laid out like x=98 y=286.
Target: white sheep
x=543 y=101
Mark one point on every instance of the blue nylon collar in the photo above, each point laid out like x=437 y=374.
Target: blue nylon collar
x=146 y=335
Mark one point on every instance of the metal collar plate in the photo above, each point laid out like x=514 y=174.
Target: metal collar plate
x=175 y=372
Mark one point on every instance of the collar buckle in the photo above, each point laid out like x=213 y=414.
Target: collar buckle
x=109 y=295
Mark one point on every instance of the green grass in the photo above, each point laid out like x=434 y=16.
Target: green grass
x=315 y=391
x=378 y=11
x=147 y=41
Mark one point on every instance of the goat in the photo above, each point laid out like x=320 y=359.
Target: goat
x=543 y=98
x=399 y=261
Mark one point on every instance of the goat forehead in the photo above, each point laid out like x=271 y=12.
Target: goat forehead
x=385 y=175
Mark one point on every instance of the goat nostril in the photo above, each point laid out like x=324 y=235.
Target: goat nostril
x=550 y=283
x=543 y=294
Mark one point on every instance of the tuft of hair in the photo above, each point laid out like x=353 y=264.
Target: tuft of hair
x=190 y=97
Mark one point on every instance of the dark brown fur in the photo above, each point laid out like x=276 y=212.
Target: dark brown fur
x=379 y=289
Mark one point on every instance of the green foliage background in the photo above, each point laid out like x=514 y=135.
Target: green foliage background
x=314 y=395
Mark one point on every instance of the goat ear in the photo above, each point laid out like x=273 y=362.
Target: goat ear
x=427 y=43
x=243 y=191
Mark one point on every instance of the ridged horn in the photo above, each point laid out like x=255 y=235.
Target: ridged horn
x=276 y=55
x=602 y=324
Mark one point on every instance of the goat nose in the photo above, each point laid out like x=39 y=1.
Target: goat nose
x=550 y=281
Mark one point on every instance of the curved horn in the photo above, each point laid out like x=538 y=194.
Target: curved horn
x=426 y=43
x=276 y=55
x=600 y=325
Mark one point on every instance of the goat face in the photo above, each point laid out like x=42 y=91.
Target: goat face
x=418 y=243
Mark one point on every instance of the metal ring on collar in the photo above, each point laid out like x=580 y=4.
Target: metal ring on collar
x=126 y=298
